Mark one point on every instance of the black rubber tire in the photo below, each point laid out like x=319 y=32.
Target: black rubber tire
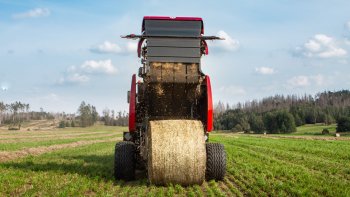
x=124 y=161
x=216 y=161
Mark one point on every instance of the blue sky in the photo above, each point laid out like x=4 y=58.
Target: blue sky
x=54 y=54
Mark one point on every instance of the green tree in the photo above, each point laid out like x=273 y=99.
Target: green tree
x=279 y=122
x=256 y=123
x=87 y=114
x=285 y=122
x=270 y=122
x=343 y=124
x=329 y=119
x=17 y=109
x=94 y=114
x=106 y=116
x=237 y=128
x=2 y=109
x=298 y=120
x=62 y=124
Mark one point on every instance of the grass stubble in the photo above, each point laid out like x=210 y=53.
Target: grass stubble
x=256 y=166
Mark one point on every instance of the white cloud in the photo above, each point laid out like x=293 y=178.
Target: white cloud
x=79 y=78
x=233 y=90
x=321 y=46
x=318 y=79
x=34 y=13
x=229 y=44
x=107 y=47
x=265 y=70
x=103 y=66
x=82 y=74
x=347 y=41
x=72 y=69
x=131 y=47
x=313 y=46
x=73 y=78
x=299 y=81
x=303 y=81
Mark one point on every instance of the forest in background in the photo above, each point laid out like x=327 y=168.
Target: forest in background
x=15 y=114
x=281 y=114
x=275 y=114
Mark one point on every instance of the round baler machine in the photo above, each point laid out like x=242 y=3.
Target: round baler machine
x=171 y=107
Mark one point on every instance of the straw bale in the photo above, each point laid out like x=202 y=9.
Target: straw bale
x=176 y=152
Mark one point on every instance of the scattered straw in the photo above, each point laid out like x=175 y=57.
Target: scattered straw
x=11 y=155
x=50 y=138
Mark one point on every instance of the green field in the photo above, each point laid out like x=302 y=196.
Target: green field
x=257 y=166
x=315 y=129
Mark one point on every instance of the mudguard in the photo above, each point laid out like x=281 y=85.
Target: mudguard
x=209 y=105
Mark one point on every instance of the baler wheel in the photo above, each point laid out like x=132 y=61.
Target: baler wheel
x=216 y=161
x=124 y=161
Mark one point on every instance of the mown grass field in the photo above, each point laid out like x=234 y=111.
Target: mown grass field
x=315 y=129
x=82 y=164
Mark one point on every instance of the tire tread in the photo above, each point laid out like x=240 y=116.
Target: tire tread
x=124 y=161
x=216 y=161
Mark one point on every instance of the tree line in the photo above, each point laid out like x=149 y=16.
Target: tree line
x=275 y=114
x=87 y=115
x=15 y=114
x=110 y=118
x=281 y=114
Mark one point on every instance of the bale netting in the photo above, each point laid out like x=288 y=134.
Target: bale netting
x=176 y=152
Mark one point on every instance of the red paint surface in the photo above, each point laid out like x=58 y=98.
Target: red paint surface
x=179 y=18
x=139 y=45
x=209 y=105
x=132 y=105
x=206 y=47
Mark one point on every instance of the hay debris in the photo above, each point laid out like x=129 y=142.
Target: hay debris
x=159 y=90
x=176 y=152
x=49 y=138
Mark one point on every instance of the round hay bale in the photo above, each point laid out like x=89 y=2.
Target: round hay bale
x=176 y=152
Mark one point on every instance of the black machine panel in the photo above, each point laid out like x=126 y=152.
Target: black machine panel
x=173 y=42
x=173 y=52
x=173 y=28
